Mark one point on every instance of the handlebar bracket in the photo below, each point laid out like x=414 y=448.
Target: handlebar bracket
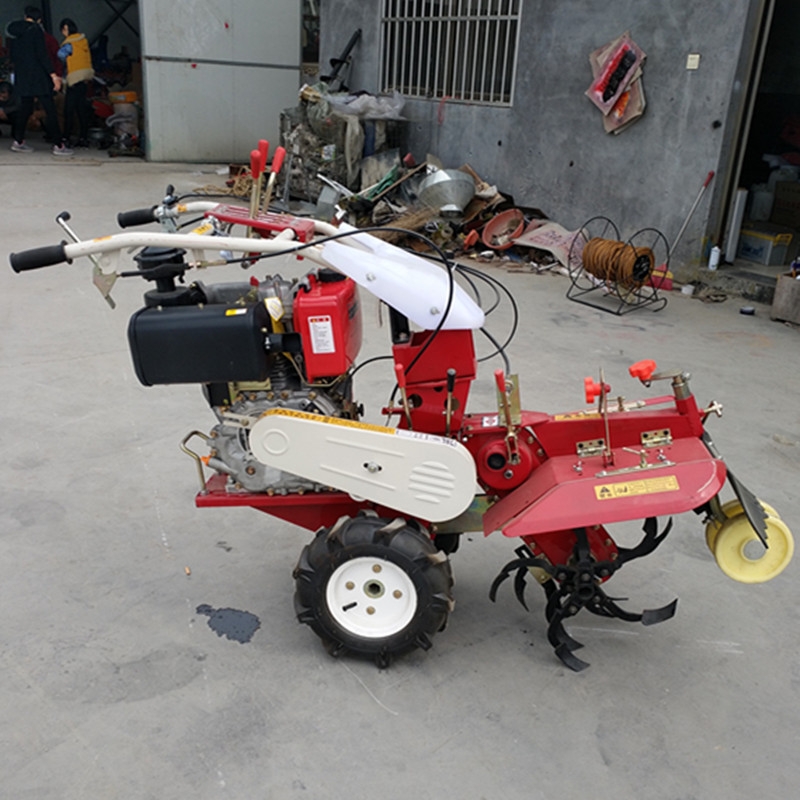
x=265 y=222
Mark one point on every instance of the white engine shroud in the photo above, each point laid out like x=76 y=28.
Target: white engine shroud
x=414 y=286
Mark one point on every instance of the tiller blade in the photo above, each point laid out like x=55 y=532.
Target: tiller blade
x=652 y=539
x=524 y=561
x=577 y=585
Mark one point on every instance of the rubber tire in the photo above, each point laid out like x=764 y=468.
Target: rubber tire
x=732 y=509
x=732 y=539
x=407 y=548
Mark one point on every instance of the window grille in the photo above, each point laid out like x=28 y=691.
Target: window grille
x=463 y=50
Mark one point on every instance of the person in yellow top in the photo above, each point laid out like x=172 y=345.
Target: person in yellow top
x=77 y=58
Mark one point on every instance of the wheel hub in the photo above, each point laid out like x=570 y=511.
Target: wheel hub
x=371 y=597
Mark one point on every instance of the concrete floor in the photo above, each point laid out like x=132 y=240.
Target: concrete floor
x=114 y=686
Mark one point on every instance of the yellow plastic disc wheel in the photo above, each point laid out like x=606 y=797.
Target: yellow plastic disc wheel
x=732 y=509
x=741 y=556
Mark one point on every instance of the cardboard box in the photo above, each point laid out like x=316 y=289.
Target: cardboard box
x=786 y=302
x=786 y=207
x=764 y=246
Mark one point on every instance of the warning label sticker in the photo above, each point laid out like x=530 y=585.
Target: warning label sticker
x=577 y=415
x=348 y=423
x=321 y=330
x=613 y=491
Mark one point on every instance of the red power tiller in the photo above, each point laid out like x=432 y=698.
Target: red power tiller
x=276 y=359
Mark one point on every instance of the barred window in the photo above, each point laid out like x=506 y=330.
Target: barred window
x=456 y=49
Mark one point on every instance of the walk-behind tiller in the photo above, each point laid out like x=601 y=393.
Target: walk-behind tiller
x=276 y=359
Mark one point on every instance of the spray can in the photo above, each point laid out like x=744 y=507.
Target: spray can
x=713 y=259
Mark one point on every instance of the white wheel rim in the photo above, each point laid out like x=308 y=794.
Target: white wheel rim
x=732 y=544
x=371 y=597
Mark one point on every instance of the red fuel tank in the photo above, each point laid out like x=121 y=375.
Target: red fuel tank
x=327 y=315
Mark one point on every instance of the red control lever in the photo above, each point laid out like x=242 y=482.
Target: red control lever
x=593 y=389
x=500 y=380
x=643 y=370
x=277 y=163
x=277 y=159
x=256 y=168
x=401 y=382
x=263 y=149
x=255 y=163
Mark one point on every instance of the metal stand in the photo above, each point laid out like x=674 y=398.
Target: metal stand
x=617 y=297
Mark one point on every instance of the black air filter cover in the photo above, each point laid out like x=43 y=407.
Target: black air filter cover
x=199 y=344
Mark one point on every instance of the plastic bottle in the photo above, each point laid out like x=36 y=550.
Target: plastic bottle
x=713 y=259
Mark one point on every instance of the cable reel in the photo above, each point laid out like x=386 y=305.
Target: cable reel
x=619 y=275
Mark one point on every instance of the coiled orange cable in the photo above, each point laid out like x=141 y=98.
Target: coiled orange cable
x=619 y=262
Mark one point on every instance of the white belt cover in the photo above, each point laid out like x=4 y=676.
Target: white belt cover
x=426 y=476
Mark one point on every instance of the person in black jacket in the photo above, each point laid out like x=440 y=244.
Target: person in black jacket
x=34 y=77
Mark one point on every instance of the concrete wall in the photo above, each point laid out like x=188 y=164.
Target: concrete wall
x=550 y=150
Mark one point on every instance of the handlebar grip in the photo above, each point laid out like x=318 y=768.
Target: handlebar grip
x=38 y=257
x=139 y=216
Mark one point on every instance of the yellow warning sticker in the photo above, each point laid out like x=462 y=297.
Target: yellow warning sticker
x=204 y=228
x=348 y=423
x=235 y=312
x=578 y=415
x=613 y=491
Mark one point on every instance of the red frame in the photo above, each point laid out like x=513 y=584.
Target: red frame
x=554 y=490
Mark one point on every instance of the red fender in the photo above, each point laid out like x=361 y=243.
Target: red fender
x=564 y=493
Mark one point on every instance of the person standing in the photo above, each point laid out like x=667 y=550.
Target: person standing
x=34 y=77
x=8 y=104
x=75 y=54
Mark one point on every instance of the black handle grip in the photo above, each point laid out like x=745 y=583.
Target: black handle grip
x=38 y=257
x=139 y=216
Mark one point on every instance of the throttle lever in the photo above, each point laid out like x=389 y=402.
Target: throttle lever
x=170 y=198
x=101 y=280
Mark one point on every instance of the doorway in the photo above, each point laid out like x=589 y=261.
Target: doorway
x=767 y=200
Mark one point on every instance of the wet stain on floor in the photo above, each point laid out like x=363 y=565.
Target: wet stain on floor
x=238 y=626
